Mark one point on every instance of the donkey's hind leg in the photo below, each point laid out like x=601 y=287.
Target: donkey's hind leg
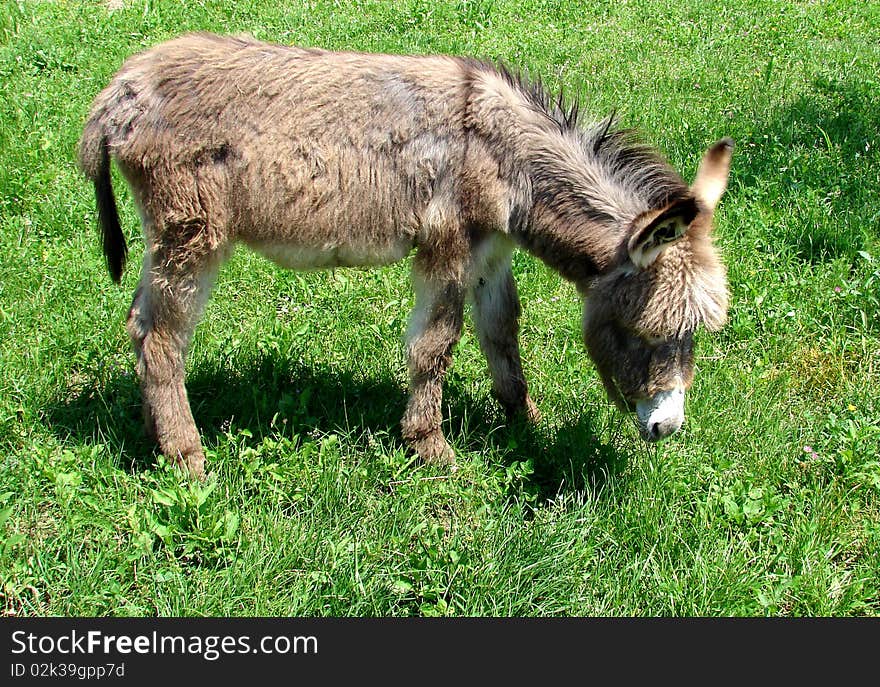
x=161 y=321
x=434 y=329
x=496 y=314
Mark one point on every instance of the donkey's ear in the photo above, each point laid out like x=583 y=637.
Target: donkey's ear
x=649 y=240
x=711 y=180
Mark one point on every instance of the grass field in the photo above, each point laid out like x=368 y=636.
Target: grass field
x=767 y=502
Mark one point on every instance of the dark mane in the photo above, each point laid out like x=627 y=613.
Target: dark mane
x=621 y=151
x=562 y=111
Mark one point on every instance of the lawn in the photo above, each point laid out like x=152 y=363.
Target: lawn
x=766 y=503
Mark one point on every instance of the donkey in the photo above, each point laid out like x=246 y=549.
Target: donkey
x=322 y=159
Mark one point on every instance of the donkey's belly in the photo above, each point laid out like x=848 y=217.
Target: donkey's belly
x=300 y=257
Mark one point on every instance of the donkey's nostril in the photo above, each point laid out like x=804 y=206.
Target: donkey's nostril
x=661 y=430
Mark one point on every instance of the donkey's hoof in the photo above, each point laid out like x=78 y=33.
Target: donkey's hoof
x=192 y=465
x=530 y=412
x=435 y=450
x=527 y=410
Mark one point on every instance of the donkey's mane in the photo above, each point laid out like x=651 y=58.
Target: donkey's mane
x=621 y=151
x=563 y=111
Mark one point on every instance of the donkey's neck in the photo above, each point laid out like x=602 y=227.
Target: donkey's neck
x=587 y=188
x=577 y=221
x=578 y=190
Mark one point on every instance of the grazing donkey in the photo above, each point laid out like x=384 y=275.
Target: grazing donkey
x=326 y=159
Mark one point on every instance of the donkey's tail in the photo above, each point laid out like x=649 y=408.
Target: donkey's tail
x=94 y=161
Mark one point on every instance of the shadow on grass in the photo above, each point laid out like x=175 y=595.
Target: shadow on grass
x=258 y=396
x=568 y=457
x=820 y=147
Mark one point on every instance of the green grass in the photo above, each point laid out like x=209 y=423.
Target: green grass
x=297 y=381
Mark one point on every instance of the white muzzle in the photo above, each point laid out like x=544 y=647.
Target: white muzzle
x=661 y=415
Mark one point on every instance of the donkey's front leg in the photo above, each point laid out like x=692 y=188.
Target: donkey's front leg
x=435 y=327
x=496 y=319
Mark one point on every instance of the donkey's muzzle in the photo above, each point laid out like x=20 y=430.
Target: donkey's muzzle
x=662 y=415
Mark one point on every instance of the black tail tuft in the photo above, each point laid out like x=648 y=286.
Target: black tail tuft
x=115 y=250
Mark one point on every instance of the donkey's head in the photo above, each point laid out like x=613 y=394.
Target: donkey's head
x=639 y=319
